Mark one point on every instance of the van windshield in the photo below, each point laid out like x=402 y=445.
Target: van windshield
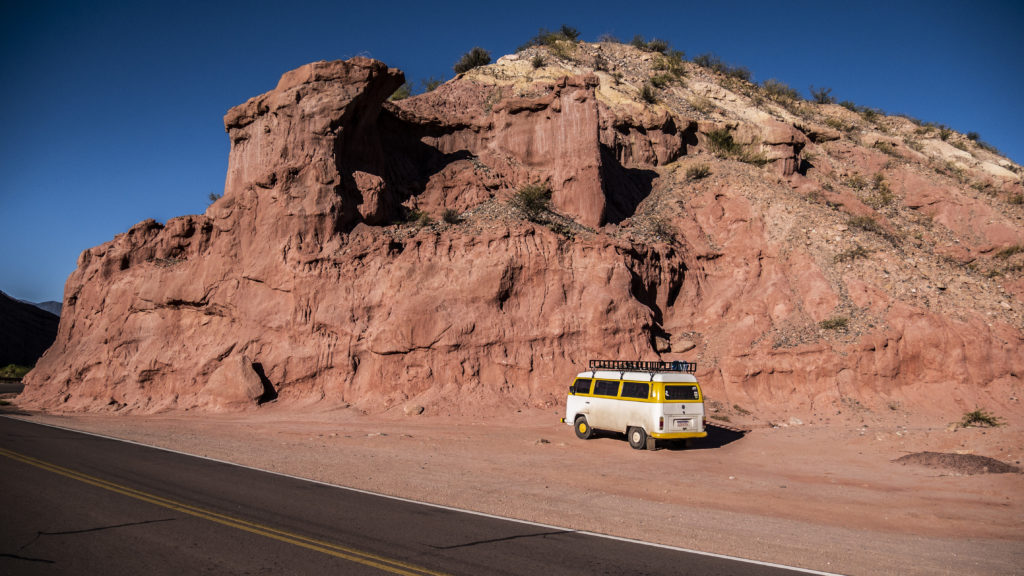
x=681 y=393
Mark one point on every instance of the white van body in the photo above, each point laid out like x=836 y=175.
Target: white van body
x=646 y=405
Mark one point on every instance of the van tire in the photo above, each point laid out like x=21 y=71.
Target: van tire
x=637 y=437
x=582 y=428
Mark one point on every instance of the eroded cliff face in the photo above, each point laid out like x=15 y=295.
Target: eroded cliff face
x=307 y=283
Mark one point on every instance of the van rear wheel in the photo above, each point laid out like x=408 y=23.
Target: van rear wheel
x=637 y=437
x=583 y=429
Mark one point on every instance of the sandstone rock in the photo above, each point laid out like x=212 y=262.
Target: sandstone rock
x=305 y=268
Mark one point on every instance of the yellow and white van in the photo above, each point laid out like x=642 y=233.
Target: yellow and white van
x=647 y=401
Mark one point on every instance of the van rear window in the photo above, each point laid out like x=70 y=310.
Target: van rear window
x=635 y=389
x=582 y=386
x=606 y=388
x=681 y=393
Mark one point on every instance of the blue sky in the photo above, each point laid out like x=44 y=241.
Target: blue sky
x=112 y=111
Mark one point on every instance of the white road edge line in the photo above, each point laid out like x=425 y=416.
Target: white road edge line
x=438 y=506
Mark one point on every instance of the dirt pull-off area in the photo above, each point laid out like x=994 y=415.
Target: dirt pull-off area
x=821 y=496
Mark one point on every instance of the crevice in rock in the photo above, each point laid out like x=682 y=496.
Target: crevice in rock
x=624 y=188
x=269 y=393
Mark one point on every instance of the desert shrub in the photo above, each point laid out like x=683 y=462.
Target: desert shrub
x=655 y=45
x=214 y=196
x=473 y=59
x=403 y=92
x=1009 y=251
x=713 y=62
x=721 y=143
x=822 y=95
x=741 y=409
x=431 y=84
x=617 y=77
x=979 y=417
x=551 y=38
x=865 y=223
x=698 y=171
x=419 y=218
x=852 y=254
x=532 y=200
x=671 y=62
x=886 y=147
x=834 y=323
x=778 y=90
x=986 y=146
x=883 y=195
x=856 y=181
x=600 y=63
x=606 y=37
x=973 y=136
x=945 y=133
x=662 y=229
x=537 y=61
x=702 y=104
x=839 y=124
x=851 y=106
x=1016 y=199
x=451 y=216
x=913 y=144
x=647 y=94
x=662 y=80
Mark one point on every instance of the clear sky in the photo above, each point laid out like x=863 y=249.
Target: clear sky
x=112 y=112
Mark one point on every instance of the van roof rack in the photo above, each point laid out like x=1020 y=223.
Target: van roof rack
x=645 y=365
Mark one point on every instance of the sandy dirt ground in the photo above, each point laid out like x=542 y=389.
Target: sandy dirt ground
x=823 y=496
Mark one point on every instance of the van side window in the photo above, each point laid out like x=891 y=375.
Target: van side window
x=681 y=393
x=606 y=388
x=582 y=386
x=635 y=389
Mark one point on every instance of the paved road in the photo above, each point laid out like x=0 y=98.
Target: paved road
x=81 y=504
x=11 y=387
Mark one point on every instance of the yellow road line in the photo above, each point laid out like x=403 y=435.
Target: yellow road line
x=344 y=552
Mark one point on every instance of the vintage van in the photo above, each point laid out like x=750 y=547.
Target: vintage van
x=646 y=401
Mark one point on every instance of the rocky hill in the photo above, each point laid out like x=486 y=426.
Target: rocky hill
x=472 y=247
x=27 y=331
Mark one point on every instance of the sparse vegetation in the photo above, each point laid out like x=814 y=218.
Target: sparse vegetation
x=883 y=195
x=655 y=45
x=537 y=61
x=662 y=80
x=214 y=196
x=979 y=418
x=403 y=92
x=852 y=254
x=721 y=144
x=532 y=200
x=647 y=94
x=856 y=181
x=14 y=371
x=839 y=124
x=419 y=218
x=822 y=95
x=550 y=38
x=973 y=136
x=741 y=409
x=662 y=229
x=698 y=171
x=834 y=323
x=1016 y=199
x=866 y=223
x=779 y=91
x=451 y=216
x=473 y=59
x=702 y=104
x=886 y=148
x=710 y=61
x=672 y=62
x=431 y=84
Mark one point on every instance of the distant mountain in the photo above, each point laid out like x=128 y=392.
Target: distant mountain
x=27 y=331
x=50 y=306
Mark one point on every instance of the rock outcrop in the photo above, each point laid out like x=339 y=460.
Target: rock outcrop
x=366 y=252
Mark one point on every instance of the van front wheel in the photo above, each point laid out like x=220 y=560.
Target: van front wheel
x=637 y=438
x=583 y=429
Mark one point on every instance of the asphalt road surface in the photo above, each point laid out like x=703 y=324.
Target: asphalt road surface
x=11 y=387
x=80 y=504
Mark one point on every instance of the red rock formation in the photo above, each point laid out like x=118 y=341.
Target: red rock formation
x=304 y=284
